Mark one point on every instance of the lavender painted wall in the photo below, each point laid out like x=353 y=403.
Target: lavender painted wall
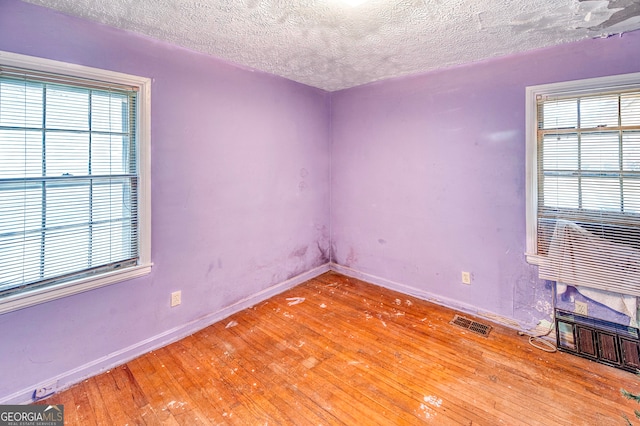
x=427 y=180
x=240 y=192
x=428 y=176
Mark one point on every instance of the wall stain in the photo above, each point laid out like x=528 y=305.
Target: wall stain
x=352 y=257
x=302 y=185
x=212 y=265
x=299 y=252
x=324 y=254
x=298 y=270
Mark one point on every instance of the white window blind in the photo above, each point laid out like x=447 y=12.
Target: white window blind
x=69 y=178
x=588 y=188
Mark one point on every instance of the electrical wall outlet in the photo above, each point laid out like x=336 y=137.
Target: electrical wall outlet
x=466 y=277
x=580 y=308
x=176 y=298
x=44 y=391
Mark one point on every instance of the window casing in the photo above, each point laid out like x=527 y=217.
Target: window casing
x=74 y=179
x=583 y=169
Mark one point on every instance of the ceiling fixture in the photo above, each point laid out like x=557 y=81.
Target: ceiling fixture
x=353 y=3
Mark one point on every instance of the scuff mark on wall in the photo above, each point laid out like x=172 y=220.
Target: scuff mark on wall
x=531 y=303
x=298 y=270
x=210 y=268
x=545 y=307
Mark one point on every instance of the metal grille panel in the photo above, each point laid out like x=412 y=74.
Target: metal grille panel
x=474 y=326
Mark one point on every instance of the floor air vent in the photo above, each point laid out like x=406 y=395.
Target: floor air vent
x=476 y=327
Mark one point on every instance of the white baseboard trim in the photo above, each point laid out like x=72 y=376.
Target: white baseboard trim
x=425 y=295
x=92 y=368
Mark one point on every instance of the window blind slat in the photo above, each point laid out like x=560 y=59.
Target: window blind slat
x=10 y=73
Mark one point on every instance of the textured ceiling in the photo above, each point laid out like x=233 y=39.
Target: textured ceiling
x=332 y=45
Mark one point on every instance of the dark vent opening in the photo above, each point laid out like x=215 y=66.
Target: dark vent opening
x=474 y=326
x=630 y=353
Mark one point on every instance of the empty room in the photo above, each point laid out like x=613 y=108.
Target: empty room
x=319 y=212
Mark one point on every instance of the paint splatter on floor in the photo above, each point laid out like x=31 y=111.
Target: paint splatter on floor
x=433 y=400
x=174 y=404
x=426 y=409
x=295 y=300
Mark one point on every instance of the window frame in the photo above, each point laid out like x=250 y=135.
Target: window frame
x=590 y=86
x=31 y=297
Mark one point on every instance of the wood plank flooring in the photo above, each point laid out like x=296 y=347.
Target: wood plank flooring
x=356 y=354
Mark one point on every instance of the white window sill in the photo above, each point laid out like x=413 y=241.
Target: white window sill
x=45 y=294
x=534 y=259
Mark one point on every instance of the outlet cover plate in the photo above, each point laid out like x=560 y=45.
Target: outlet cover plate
x=176 y=298
x=580 y=308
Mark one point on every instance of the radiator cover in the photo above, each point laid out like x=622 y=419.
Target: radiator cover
x=602 y=341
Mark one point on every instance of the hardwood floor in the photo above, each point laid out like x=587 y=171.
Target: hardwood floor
x=350 y=353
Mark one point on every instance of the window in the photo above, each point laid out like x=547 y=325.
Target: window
x=74 y=179
x=583 y=182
